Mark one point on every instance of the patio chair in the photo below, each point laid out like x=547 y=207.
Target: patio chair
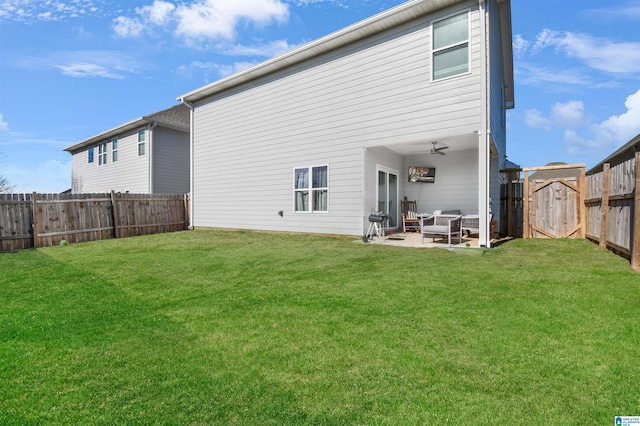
x=441 y=225
x=410 y=218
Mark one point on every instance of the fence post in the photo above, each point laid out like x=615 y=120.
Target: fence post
x=583 y=206
x=509 y=202
x=34 y=219
x=186 y=211
x=114 y=213
x=635 y=238
x=525 y=196
x=604 y=204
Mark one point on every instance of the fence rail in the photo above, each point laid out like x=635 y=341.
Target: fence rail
x=40 y=220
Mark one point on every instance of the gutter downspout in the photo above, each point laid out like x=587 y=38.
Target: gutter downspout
x=191 y=157
x=151 y=127
x=483 y=134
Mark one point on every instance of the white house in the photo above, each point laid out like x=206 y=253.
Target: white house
x=316 y=139
x=146 y=155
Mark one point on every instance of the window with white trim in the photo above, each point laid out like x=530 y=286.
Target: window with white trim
x=450 y=46
x=90 y=155
x=102 y=154
x=141 y=139
x=311 y=189
x=114 y=150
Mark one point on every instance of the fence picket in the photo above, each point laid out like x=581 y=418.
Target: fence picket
x=40 y=220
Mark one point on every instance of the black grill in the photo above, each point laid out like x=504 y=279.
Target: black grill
x=377 y=218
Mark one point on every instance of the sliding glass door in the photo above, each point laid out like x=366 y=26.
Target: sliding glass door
x=388 y=194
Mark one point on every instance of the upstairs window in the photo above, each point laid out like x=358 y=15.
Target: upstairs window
x=450 y=46
x=90 y=155
x=102 y=154
x=311 y=189
x=141 y=139
x=114 y=150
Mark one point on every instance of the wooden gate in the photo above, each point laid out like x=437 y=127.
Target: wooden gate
x=554 y=202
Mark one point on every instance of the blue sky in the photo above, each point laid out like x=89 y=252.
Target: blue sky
x=70 y=69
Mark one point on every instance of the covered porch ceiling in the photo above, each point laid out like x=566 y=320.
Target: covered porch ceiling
x=453 y=144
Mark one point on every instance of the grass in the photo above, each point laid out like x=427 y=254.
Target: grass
x=232 y=327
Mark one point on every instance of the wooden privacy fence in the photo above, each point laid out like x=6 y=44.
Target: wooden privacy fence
x=612 y=202
x=40 y=220
x=511 y=209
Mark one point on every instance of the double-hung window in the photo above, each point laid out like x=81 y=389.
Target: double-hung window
x=311 y=189
x=102 y=154
x=450 y=46
x=141 y=138
x=114 y=150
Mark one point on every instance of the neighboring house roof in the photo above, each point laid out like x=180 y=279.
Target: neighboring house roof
x=373 y=25
x=177 y=117
x=622 y=154
x=555 y=173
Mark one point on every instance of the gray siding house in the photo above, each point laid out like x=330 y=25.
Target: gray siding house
x=146 y=155
x=317 y=139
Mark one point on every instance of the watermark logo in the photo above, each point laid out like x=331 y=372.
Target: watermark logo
x=628 y=421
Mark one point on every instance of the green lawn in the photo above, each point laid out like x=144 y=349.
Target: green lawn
x=230 y=327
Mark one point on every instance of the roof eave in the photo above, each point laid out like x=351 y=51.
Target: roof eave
x=107 y=134
x=507 y=52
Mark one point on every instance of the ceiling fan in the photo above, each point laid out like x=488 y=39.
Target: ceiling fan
x=438 y=150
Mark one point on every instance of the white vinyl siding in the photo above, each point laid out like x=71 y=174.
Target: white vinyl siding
x=324 y=111
x=129 y=173
x=170 y=161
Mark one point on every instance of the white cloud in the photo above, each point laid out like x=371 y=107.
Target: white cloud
x=220 y=70
x=202 y=19
x=621 y=128
x=534 y=118
x=49 y=10
x=527 y=73
x=520 y=45
x=569 y=114
x=344 y=5
x=608 y=134
x=217 y=19
x=598 y=53
x=158 y=13
x=4 y=126
x=127 y=27
x=83 y=63
x=88 y=70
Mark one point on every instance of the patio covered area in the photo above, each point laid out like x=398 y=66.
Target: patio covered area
x=455 y=173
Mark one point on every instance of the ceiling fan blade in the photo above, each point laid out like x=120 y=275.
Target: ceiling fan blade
x=435 y=150
x=439 y=150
